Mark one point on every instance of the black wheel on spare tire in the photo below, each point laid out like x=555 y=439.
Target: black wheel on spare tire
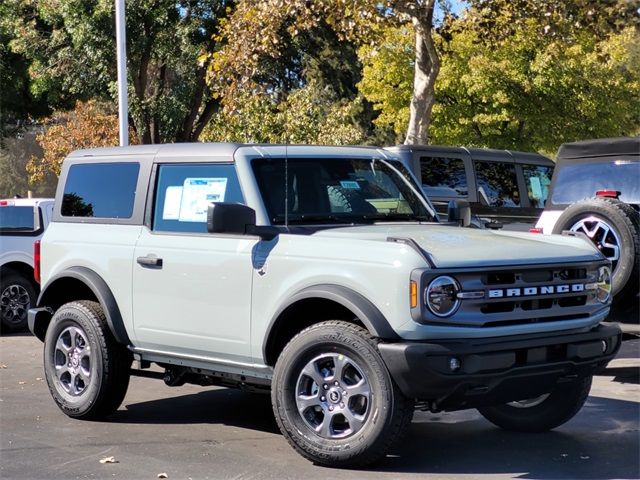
x=334 y=399
x=542 y=413
x=17 y=295
x=614 y=227
x=86 y=369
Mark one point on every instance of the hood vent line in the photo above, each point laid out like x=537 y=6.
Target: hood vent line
x=413 y=244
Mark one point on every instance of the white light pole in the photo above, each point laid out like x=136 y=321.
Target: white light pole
x=121 y=51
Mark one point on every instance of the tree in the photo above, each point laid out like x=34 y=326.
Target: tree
x=309 y=114
x=90 y=124
x=70 y=47
x=518 y=81
x=255 y=32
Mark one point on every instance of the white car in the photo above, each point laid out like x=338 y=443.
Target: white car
x=22 y=222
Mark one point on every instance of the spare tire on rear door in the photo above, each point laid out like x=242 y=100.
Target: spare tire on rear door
x=613 y=227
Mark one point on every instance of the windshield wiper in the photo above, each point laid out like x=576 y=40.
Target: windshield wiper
x=305 y=218
x=390 y=217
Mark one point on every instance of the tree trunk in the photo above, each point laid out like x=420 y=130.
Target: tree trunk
x=425 y=74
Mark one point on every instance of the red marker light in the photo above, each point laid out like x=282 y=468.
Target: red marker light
x=608 y=193
x=535 y=230
x=36 y=260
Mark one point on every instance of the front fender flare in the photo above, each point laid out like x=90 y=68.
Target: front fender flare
x=361 y=307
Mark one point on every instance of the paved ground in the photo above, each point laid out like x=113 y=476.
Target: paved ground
x=193 y=432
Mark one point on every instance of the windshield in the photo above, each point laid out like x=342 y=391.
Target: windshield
x=16 y=219
x=337 y=190
x=582 y=180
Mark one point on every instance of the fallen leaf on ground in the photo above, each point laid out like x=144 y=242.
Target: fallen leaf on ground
x=21 y=383
x=163 y=475
x=3 y=366
x=109 y=460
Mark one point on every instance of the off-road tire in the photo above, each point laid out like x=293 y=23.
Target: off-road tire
x=558 y=408
x=15 y=290
x=389 y=414
x=109 y=362
x=349 y=200
x=626 y=223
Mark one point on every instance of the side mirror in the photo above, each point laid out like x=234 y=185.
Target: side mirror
x=237 y=219
x=459 y=212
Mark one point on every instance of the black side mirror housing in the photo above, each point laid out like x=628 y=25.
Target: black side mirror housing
x=236 y=218
x=459 y=211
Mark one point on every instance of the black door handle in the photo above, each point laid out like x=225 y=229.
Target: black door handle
x=153 y=262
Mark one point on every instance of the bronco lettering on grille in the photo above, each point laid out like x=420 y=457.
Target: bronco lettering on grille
x=542 y=290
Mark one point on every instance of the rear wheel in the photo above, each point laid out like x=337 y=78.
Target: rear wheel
x=614 y=228
x=86 y=369
x=334 y=399
x=17 y=294
x=541 y=413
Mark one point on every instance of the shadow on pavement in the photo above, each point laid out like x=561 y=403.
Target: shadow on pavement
x=451 y=443
x=572 y=451
x=622 y=374
x=223 y=406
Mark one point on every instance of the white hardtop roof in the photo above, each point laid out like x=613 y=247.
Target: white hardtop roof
x=227 y=150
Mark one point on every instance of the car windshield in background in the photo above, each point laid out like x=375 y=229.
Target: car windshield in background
x=16 y=219
x=329 y=190
x=582 y=180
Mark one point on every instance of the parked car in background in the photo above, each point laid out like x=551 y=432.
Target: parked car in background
x=595 y=191
x=503 y=187
x=22 y=222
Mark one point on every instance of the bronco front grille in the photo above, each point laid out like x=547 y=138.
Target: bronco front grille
x=521 y=295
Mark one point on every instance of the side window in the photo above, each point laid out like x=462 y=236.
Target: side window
x=103 y=190
x=443 y=177
x=497 y=184
x=538 y=179
x=184 y=191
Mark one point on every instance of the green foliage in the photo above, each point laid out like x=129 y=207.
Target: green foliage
x=70 y=49
x=387 y=78
x=309 y=115
x=522 y=89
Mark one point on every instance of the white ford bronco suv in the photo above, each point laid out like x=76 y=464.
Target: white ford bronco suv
x=320 y=274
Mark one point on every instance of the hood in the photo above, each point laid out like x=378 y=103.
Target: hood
x=456 y=247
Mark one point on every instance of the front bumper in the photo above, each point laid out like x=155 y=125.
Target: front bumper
x=496 y=370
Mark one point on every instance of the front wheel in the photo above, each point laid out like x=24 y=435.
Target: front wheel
x=542 y=413
x=86 y=369
x=334 y=399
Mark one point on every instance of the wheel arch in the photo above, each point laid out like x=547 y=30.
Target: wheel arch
x=78 y=283
x=18 y=266
x=319 y=303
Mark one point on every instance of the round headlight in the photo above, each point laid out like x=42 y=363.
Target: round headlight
x=603 y=287
x=441 y=296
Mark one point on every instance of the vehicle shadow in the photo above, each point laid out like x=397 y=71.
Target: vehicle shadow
x=629 y=374
x=600 y=442
x=21 y=333
x=220 y=406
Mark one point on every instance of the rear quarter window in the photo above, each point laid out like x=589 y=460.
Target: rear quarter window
x=102 y=190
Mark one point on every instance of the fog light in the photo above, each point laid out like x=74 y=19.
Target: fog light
x=454 y=364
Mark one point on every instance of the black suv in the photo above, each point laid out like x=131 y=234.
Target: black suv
x=503 y=188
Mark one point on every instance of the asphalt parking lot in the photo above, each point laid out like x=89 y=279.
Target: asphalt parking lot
x=209 y=433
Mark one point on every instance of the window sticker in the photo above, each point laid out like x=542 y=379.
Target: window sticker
x=172 y=201
x=536 y=188
x=350 y=184
x=197 y=194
